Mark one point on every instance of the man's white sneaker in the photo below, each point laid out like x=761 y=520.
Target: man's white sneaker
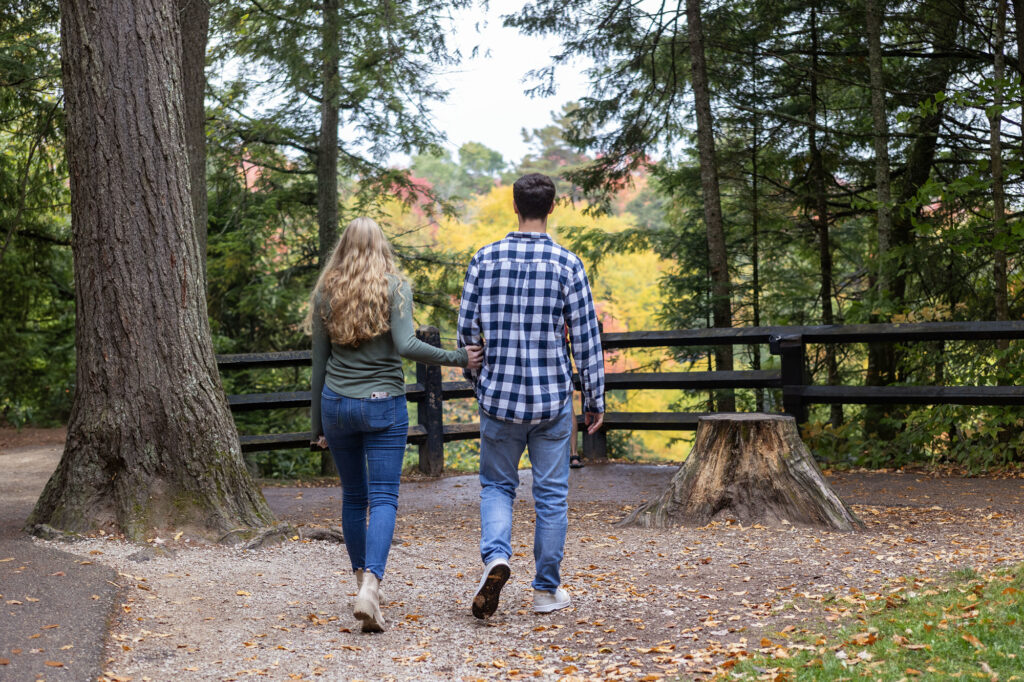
x=546 y=602
x=496 y=574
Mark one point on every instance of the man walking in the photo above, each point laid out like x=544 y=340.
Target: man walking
x=519 y=296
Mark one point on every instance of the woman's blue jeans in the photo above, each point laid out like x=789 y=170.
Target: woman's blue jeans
x=367 y=440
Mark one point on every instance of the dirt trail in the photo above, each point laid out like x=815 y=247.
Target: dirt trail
x=646 y=604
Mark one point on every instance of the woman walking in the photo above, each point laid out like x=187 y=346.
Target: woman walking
x=360 y=318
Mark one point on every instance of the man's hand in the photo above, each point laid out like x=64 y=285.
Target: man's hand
x=593 y=420
x=476 y=357
x=320 y=442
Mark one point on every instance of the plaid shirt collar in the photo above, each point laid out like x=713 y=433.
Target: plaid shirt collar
x=529 y=235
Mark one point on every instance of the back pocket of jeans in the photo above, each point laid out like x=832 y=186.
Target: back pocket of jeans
x=378 y=414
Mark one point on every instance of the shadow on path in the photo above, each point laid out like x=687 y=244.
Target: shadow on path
x=55 y=607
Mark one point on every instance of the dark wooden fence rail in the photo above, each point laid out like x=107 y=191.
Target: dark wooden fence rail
x=789 y=343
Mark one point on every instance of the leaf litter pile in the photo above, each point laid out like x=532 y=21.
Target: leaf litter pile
x=647 y=604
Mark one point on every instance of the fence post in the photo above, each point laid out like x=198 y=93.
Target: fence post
x=594 y=446
x=790 y=349
x=327 y=467
x=429 y=408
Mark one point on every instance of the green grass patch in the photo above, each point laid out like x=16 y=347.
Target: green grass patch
x=968 y=627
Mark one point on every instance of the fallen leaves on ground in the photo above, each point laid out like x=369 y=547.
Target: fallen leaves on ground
x=647 y=604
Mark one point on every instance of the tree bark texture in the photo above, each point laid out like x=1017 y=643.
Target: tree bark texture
x=327 y=156
x=821 y=220
x=194 y=18
x=752 y=468
x=721 y=288
x=151 y=444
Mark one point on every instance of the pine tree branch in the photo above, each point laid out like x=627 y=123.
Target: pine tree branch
x=23 y=195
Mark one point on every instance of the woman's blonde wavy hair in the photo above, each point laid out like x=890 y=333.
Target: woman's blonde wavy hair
x=352 y=288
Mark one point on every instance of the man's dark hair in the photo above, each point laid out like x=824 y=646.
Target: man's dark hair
x=534 y=195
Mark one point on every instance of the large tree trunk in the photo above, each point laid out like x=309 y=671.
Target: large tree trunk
x=880 y=136
x=721 y=287
x=751 y=468
x=327 y=145
x=999 y=232
x=821 y=219
x=999 y=235
x=755 y=254
x=879 y=352
x=1018 y=22
x=944 y=17
x=194 y=18
x=151 y=444
x=327 y=157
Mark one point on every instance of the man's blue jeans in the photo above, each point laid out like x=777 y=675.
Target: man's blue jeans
x=501 y=446
x=367 y=440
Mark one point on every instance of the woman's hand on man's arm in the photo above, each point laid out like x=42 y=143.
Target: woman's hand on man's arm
x=476 y=357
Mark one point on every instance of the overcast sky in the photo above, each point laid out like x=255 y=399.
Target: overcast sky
x=486 y=101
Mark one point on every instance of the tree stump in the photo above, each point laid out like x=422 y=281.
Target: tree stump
x=750 y=467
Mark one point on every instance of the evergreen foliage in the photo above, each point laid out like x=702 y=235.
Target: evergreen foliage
x=792 y=106
x=37 y=316
x=793 y=90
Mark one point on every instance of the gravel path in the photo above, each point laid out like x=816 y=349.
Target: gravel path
x=646 y=604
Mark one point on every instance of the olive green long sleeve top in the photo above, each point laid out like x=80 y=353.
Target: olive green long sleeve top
x=376 y=364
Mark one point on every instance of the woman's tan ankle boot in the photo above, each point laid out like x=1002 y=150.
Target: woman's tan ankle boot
x=367 y=607
x=381 y=599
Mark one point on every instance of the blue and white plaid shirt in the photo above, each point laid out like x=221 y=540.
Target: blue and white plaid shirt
x=519 y=296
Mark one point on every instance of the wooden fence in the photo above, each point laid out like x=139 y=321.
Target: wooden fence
x=789 y=343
